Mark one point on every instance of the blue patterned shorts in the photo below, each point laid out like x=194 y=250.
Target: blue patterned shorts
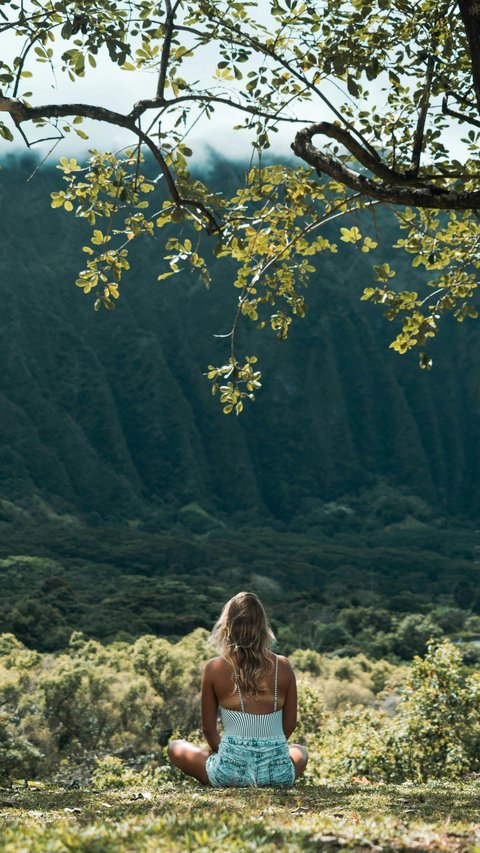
x=245 y=762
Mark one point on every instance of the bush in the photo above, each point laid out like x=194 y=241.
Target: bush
x=439 y=722
x=18 y=757
x=174 y=672
x=110 y=772
x=304 y=660
x=434 y=733
x=412 y=635
x=90 y=700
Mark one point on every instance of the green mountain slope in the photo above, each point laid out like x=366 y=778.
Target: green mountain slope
x=109 y=415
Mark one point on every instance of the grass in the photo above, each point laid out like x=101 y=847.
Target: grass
x=183 y=816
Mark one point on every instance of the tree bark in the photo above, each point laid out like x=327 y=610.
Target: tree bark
x=424 y=196
x=470 y=12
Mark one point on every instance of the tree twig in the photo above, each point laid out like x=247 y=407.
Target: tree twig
x=380 y=169
x=21 y=65
x=455 y=114
x=167 y=42
x=422 y=117
x=155 y=103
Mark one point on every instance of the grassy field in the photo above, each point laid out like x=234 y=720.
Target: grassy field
x=182 y=816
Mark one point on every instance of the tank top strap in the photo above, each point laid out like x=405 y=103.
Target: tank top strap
x=237 y=687
x=275 y=689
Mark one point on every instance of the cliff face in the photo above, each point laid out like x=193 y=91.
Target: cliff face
x=110 y=414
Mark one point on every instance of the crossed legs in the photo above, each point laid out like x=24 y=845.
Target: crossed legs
x=191 y=759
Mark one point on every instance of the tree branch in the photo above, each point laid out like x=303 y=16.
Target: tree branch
x=422 y=117
x=470 y=13
x=454 y=114
x=424 y=197
x=20 y=113
x=155 y=103
x=373 y=164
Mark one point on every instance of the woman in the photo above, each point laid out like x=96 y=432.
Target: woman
x=256 y=693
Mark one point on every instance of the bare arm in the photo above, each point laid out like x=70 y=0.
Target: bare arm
x=290 y=705
x=209 y=704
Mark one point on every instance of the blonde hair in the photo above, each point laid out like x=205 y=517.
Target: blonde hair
x=243 y=631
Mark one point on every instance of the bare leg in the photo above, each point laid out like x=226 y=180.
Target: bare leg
x=190 y=759
x=299 y=756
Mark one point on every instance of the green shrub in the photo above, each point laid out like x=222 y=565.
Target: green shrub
x=439 y=720
x=434 y=732
x=18 y=756
x=111 y=772
x=311 y=711
x=304 y=660
x=174 y=671
x=412 y=635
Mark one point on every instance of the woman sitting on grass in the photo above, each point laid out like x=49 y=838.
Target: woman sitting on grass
x=257 y=696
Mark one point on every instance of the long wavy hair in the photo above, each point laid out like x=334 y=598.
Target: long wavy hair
x=243 y=632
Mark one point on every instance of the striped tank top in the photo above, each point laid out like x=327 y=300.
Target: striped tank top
x=241 y=724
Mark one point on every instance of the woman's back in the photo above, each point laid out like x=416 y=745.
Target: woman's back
x=222 y=674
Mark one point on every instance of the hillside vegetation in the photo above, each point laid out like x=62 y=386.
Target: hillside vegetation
x=109 y=416
x=382 y=592
x=394 y=754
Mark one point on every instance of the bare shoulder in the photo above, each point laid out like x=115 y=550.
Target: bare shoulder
x=215 y=666
x=284 y=661
x=284 y=666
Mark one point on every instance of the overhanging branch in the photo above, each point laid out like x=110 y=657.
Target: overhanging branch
x=21 y=113
x=373 y=164
x=388 y=191
x=345 y=138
